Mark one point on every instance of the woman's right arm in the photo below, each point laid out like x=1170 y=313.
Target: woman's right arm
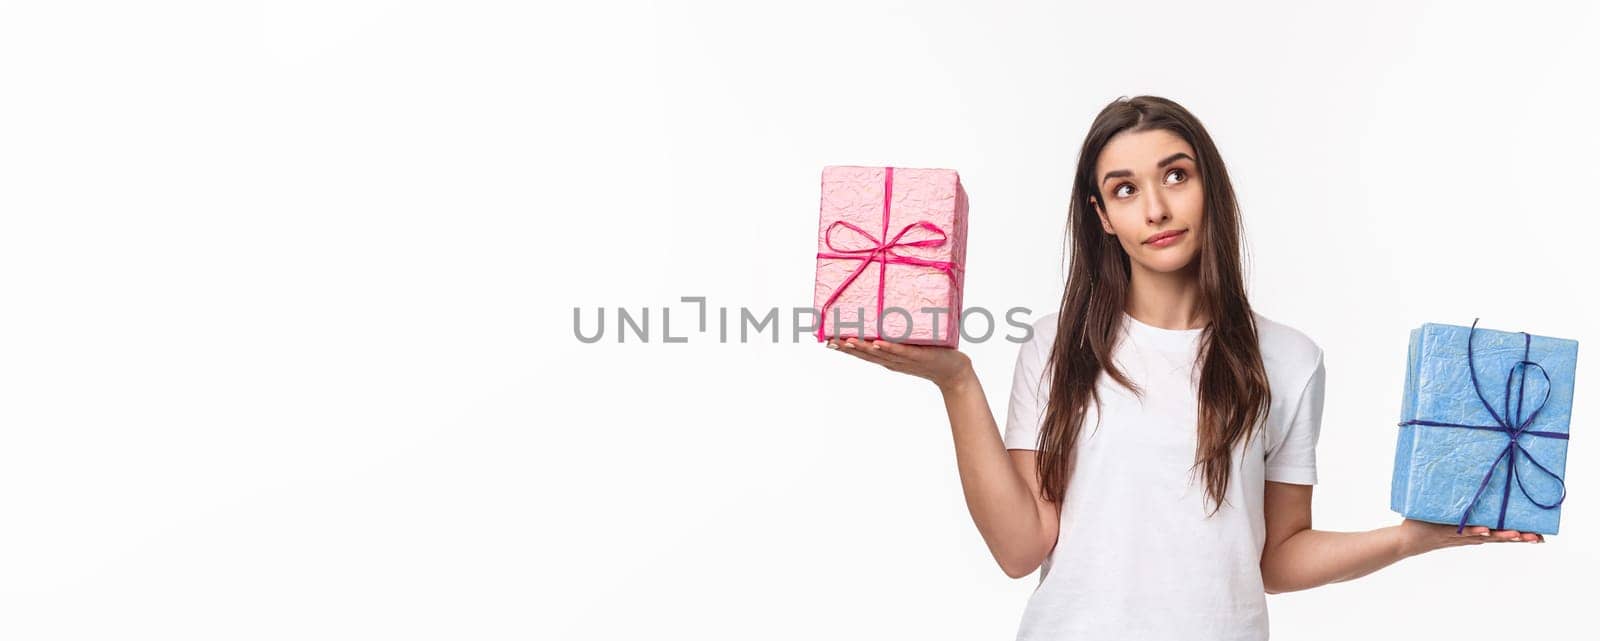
x=1001 y=486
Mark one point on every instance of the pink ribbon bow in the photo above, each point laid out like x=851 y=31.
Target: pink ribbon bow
x=881 y=252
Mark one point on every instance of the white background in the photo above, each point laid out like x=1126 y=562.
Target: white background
x=286 y=346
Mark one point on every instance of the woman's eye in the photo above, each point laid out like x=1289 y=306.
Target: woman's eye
x=1123 y=190
x=1177 y=176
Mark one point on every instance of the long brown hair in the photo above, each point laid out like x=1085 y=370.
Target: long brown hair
x=1233 y=394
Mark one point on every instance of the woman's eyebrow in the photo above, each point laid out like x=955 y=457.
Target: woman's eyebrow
x=1119 y=173
x=1123 y=173
x=1174 y=158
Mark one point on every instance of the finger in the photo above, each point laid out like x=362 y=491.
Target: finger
x=857 y=349
x=862 y=344
x=861 y=350
x=1532 y=537
x=1477 y=530
x=891 y=348
x=843 y=344
x=848 y=346
x=904 y=351
x=872 y=350
x=890 y=351
x=1507 y=535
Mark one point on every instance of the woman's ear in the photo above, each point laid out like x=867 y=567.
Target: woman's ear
x=1105 y=223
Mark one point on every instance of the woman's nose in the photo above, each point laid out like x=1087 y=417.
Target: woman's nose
x=1156 y=211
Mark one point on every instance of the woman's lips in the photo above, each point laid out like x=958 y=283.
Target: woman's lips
x=1167 y=240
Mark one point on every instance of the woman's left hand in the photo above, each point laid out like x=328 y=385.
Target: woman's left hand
x=1422 y=536
x=945 y=366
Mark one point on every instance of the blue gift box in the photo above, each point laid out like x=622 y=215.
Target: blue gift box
x=1483 y=428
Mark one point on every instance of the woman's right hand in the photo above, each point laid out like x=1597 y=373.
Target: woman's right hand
x=947 y=367
x=1422 y=536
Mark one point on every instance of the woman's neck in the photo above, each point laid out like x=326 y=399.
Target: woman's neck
x=1168 y=300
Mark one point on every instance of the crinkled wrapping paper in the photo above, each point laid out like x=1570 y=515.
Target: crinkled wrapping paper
x=855 y=195
x=1437 y=469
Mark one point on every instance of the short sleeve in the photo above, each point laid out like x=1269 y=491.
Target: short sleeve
x=1293 y=458
x=1029 y=392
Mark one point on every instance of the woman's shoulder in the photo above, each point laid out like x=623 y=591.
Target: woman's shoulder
x=1286 y=348
x=1041 y=336
x=1044 y=328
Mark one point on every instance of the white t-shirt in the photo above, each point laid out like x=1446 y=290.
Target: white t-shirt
x=1137 y=557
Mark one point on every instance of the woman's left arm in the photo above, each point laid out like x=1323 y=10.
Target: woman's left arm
x=1297 y=557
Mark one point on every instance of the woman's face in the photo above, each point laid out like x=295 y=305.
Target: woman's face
x=1151 y=183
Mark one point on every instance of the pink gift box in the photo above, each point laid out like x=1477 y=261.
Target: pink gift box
x=891 y=244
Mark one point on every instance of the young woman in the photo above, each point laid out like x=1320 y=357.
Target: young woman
x=1160 y=445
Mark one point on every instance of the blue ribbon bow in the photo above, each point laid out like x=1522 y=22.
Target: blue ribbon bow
x=1513 y=428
